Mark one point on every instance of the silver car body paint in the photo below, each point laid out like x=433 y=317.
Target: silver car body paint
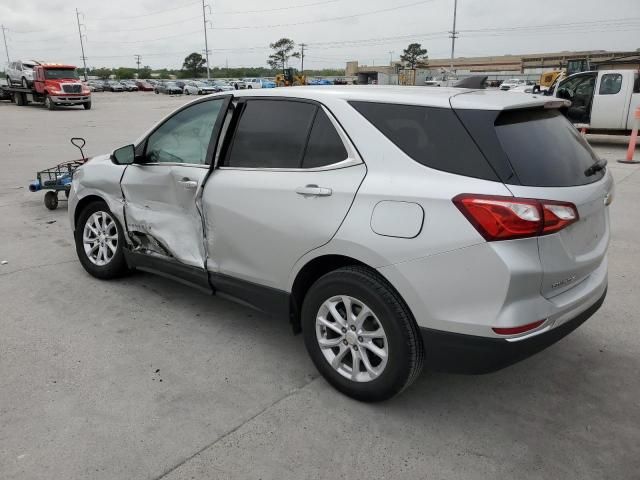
x=257 y=228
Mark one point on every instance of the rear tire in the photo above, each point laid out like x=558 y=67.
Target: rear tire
x=19 y=99
x=51 y=200
x=9 y=82
x=380 y=375
x=103 y=233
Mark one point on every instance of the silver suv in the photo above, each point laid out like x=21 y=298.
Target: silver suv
x=21 y=73
x=395 y=227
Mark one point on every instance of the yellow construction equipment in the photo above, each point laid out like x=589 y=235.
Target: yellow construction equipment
x=549 y=78
x=290 y=77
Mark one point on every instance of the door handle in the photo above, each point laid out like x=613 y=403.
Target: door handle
x=188 y=184
x=314 y=191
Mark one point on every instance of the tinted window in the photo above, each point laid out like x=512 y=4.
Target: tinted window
x=545 y=149
x=325 y=146
x=185 y=137
x=610 y=84
x=431 y=136
x=271 y=134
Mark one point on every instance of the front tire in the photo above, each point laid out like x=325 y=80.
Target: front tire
x=48 y=103
x=87 y=105
x=361 y=335
x=100 y=241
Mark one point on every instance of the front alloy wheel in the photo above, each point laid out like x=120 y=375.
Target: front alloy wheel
x=100 y=238
x=100 y=242
x=352 y=338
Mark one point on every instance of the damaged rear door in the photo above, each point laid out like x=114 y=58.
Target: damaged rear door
x=162 y=189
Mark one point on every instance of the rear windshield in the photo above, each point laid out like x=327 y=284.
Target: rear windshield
x=532 y=147
x=434 y=137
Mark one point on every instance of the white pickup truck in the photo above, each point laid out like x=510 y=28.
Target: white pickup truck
x=601 y=100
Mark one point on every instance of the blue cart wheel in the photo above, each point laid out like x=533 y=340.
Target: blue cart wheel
x=51 y=200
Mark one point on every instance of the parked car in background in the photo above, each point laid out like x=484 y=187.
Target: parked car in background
x=259 y=83
x=113 y=86
x=385 y=208
x=20 y=73
x=195 y=87
x=180 y=83
x=511 y=83
x=220 y=85
x=169 y=88
x=129 y=85
x=237 y=84
x=522 y=89
x=144 y=86
x=97 y=86
x=433 y=83
x=319 y=81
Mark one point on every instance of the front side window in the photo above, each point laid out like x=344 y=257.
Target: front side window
x=185 y=137
x=610 y=84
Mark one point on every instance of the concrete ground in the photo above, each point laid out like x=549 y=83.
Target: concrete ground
x=143 y=378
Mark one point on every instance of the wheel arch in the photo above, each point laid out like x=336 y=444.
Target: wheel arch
x=82 y=204
x=308 y=274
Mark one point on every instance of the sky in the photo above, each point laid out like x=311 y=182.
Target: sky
x=164 y=32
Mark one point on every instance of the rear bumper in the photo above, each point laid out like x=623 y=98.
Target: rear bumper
x=459 y=353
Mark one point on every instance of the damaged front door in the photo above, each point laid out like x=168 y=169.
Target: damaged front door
x=161 y=190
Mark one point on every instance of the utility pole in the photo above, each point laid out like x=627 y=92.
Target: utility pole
x=302 y=45
x=391 y=57
x=6 y=49
x=454 y=33
x=84 y=59
x=138 y=62
x=206 y=43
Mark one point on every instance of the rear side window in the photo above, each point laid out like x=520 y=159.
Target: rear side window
x=545 y=149
x=434 y=137
x=325 y=146
x=271 y=134
x=610 y=84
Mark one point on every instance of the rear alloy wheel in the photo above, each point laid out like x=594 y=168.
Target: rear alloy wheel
x=99 y=242
x=361 y=335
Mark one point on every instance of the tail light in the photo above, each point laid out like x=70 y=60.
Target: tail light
x=508 y=218
x=517 y=330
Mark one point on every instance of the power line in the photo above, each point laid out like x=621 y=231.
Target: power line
x=278 y=9
x=324 y=20
x=157 y=12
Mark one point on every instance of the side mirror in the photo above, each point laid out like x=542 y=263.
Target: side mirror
x=124 y=155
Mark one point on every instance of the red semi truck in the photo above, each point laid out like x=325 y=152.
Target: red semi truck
x=54 y=85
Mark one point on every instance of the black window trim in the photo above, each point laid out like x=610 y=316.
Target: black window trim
x=353 y=156
x=141 y=147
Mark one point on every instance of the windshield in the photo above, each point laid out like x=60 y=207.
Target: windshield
x=53 y=73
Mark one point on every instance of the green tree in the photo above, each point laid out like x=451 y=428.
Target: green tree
x=414 y=55
x=283 y=50
x=194 y=64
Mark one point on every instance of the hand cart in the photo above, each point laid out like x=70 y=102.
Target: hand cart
x=58 y=178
